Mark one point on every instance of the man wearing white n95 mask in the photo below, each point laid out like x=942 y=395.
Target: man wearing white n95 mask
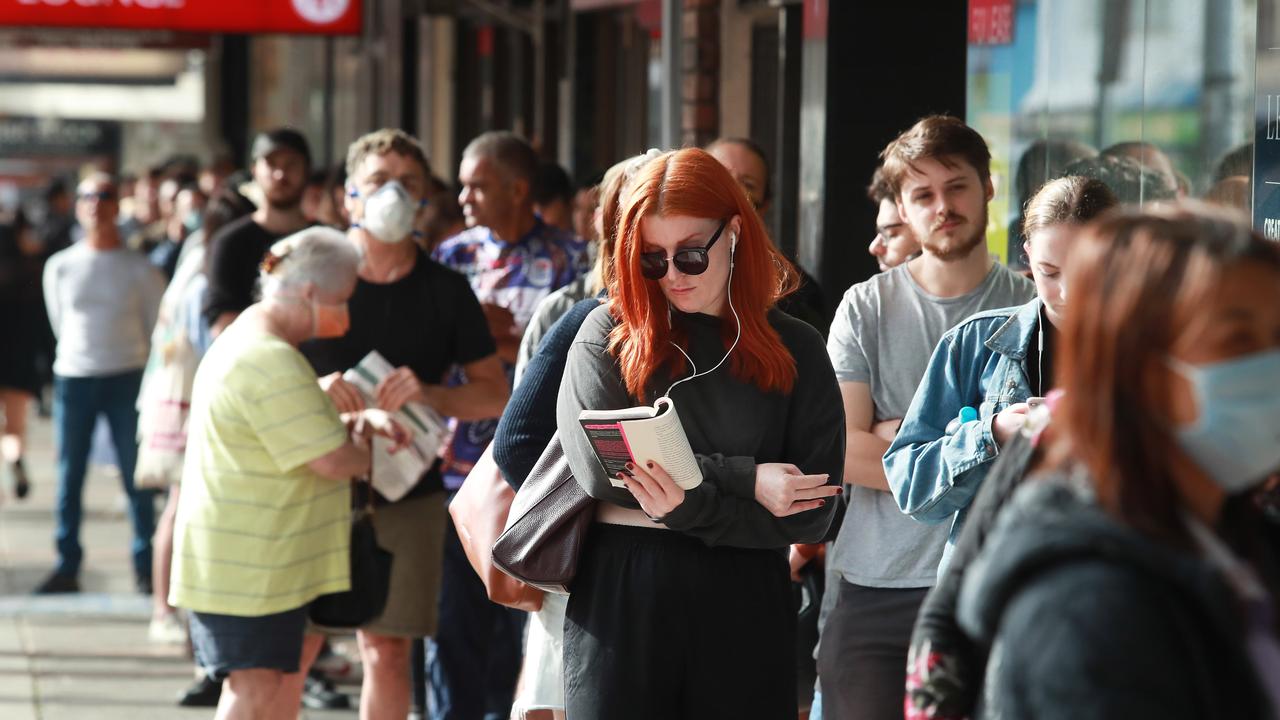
x=423 y=318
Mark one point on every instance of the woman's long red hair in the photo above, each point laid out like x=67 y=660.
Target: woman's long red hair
x=692 y=183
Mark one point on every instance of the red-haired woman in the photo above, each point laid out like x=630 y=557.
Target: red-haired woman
x=682 y=605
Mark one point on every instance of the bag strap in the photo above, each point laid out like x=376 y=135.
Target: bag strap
x=362 y=501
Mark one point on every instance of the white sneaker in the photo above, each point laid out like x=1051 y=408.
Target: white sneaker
x=167 y=630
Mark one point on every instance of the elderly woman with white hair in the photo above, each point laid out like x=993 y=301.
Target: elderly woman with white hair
x=263 y=521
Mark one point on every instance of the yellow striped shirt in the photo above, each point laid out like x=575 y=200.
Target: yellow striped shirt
x=257 y=531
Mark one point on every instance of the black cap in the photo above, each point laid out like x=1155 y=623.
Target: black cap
x=281 y=139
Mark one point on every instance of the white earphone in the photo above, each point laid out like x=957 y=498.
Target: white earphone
x=733 y=245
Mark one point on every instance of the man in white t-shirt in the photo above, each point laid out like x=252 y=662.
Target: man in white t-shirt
x=102 y=300
x=884 y=332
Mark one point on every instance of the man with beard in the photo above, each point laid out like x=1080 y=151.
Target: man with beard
x=884 y=333
x=281 y=161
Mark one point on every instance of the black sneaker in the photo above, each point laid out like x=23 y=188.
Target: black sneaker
x=318 y=694
x=204 y=692
x=143 y=584
x=58 y=583
x=21 y=483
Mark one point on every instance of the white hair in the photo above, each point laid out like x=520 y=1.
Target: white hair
x=319 y=256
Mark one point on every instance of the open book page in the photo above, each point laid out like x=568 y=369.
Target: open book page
x=642 y=435
x=395 y=474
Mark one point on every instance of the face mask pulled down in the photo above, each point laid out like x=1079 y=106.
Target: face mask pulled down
x=1236 y=438
x=389 y=212
x=329 y=320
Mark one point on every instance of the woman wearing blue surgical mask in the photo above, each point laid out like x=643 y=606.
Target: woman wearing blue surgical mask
x=1138 y=579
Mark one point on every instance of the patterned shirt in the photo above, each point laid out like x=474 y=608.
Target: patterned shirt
x=258 y=532
x=516 y=276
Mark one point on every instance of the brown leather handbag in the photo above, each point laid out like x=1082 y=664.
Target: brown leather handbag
x=547 y=525
x=479 y=510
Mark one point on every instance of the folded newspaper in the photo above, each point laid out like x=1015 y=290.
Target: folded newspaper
x=394 y=475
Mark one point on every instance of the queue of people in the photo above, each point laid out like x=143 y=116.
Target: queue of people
x=1033 y=495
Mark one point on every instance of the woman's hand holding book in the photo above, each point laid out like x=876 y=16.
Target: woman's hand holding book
x=653 y=488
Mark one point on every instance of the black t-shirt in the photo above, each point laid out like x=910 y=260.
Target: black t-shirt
x=428 y=321
x=235 y=253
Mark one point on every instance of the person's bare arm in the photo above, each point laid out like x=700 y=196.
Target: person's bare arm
x=354 y=457
x=343 y=463
x=483 y=396
x=864 y=444
x=502 y=326
x=221 y=323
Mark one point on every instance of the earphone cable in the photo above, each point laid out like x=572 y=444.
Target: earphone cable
x=732 y=347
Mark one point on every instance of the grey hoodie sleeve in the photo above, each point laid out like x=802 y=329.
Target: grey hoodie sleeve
x=1064 y=654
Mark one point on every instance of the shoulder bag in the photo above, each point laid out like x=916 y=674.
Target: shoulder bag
x=479 y=511
x=547 y=525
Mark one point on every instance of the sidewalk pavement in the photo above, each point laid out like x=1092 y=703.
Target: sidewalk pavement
x=84 y=655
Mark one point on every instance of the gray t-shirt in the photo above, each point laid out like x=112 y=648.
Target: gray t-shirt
x=102 y=307
x=884 y=333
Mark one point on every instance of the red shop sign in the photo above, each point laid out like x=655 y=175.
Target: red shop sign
x=991 y=22
x=816 y=16
x=325 y=17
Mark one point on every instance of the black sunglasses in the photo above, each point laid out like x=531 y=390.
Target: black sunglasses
x=99 y=195
x=690 y=261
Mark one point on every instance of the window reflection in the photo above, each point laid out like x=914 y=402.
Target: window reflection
x=1152 y=96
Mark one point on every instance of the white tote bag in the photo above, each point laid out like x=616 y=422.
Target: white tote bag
x=162 y=421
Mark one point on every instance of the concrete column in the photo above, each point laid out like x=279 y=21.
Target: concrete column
x=672 y=72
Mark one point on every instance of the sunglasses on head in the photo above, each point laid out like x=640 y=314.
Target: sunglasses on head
x=690 y=261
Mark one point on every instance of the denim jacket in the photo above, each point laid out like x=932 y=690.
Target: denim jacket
x=979 y=363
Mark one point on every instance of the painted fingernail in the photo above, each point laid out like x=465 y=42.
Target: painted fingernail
x=631 y=466
x=839 y=490
x=821 y=503
x=649 y=465
x=622 y=476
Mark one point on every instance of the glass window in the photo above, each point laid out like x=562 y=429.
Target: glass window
x=1152 y=96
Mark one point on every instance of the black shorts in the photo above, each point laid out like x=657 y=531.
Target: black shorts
x=661 y=626
x=224 y=643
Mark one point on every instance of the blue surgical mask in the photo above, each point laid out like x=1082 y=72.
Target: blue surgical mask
x=1236 y=438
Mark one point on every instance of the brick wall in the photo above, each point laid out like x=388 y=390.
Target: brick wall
x=700 y=40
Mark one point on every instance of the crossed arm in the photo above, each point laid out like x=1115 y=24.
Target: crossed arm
x=865 y=440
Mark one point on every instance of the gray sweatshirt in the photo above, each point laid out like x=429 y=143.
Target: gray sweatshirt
x=102 y=306
x=731 y=426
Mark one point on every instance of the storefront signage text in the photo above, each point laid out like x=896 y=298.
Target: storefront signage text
x=327 y=17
